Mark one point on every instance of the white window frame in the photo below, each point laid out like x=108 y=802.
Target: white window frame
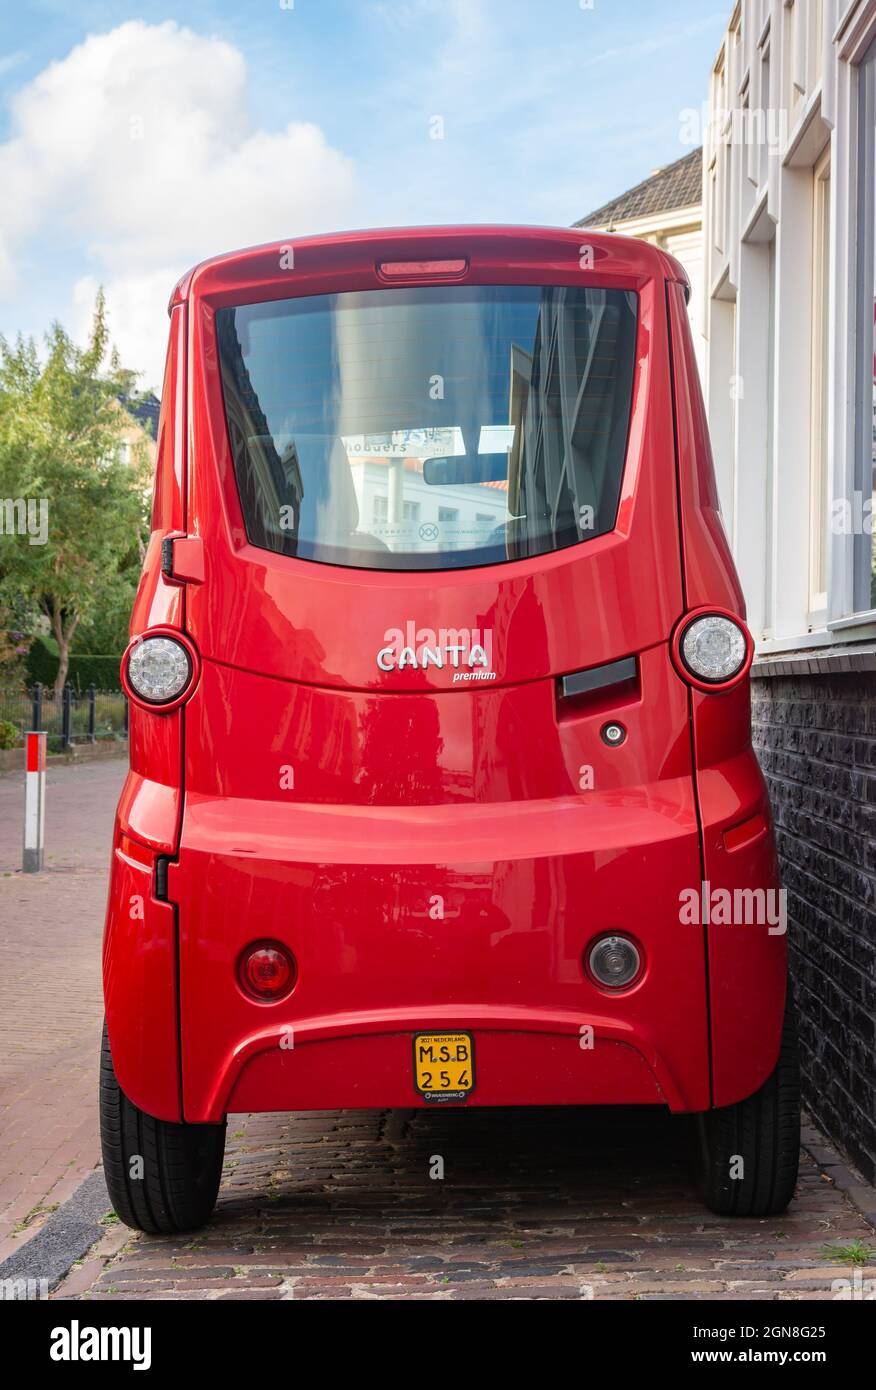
x=840 y=50
x=819 y=435
x=858 y=603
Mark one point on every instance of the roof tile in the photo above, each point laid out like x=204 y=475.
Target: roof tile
x=677 y=185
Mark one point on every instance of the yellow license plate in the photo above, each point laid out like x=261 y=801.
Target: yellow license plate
x=444 y=1066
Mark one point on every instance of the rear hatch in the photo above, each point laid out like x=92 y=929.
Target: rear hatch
x=441 y=555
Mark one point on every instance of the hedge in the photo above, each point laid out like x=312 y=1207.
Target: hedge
x=100 y=671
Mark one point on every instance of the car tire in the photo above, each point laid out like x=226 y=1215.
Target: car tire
x=746 y=1155
x=161 y=1177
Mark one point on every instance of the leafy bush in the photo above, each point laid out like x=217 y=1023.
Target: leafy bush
x=42 y=661
x=100 y=671
x=13 y=653
x=9 y=735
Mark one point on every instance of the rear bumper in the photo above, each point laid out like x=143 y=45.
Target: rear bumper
x=405 y=920
x=436 y=918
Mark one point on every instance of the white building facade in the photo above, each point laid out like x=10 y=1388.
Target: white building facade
x=789 y=263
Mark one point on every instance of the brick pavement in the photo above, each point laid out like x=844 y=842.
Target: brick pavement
x=534 y=1204
x=50 y=995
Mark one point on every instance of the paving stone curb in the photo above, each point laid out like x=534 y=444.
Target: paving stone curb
x=67 y=1235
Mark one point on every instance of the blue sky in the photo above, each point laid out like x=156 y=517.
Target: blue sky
x=137 y=138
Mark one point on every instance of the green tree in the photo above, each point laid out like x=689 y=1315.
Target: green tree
x=74 y=508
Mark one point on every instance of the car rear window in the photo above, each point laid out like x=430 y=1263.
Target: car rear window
x=431 y=428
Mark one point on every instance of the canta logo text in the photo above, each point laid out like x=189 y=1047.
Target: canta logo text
x=468 y=651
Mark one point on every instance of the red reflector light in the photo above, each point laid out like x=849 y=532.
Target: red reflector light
x=267 y=971
x=743 y=834
x=407 y=270
x=134 y=850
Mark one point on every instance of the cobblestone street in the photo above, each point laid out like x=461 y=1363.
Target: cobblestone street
x=558 y=1203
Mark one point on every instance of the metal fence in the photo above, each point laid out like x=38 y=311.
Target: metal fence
x=74 y=717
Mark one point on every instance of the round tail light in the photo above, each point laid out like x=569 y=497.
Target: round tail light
x=159 y=670
x=712 y=650
x=267 y=971
x=614 y=962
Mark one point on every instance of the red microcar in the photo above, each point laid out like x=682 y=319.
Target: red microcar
x=442 y=789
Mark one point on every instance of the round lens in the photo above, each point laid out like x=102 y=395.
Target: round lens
x=159 y=669
x=714 y=647
x=614 y=961
x=267 y=972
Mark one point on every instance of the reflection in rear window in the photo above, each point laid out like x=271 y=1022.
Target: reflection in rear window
x=429 y=428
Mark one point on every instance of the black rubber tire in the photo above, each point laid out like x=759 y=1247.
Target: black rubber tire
x=182 y=1164
x=764 y=1131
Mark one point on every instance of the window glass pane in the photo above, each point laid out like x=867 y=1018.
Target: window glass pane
x=430 y=428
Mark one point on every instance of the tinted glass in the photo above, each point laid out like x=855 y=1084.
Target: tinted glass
x=432 y=428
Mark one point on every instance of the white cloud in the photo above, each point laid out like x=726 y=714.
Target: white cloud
x=137 y=150
x=137 y=307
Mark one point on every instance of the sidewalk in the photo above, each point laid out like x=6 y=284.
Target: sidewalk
x=50 y=992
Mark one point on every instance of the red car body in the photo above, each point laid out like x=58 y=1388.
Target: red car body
x=409 y=787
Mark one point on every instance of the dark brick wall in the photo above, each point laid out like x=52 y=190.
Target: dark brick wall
x=816 y=739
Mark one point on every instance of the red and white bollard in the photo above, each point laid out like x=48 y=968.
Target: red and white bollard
x=34 y=803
